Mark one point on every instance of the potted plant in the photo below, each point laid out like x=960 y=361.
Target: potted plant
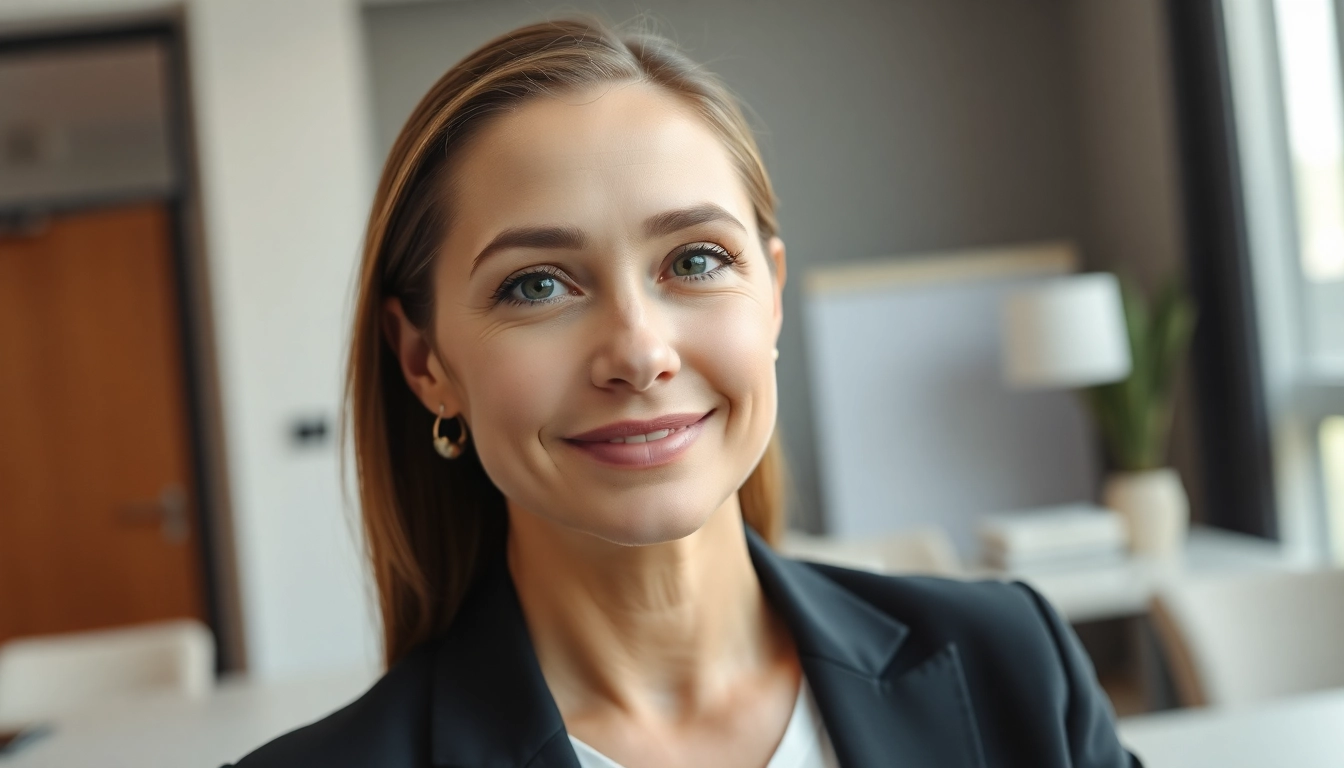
x=1135 y=417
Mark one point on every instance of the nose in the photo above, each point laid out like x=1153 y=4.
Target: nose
x=636 y=350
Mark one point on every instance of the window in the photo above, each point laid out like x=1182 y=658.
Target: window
x=1288 y=99
x=1310 y=66
x=1332 y=459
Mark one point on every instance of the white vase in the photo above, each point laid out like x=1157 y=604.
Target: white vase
x=1155 y=508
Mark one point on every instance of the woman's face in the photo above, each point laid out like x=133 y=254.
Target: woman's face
x=605 y=315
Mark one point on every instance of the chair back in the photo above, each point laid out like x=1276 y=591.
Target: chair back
x=44 y=677
x=1239 y=639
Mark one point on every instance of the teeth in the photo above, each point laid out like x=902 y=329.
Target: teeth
x=658 y=435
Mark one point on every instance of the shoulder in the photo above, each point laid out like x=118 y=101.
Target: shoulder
x=1030 y=682
x=944 y=605
x=387 y=726
x=1005 y=633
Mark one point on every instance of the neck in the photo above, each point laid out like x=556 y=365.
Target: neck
x=664 y=629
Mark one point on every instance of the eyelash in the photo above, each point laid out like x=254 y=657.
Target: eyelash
x=503 y=294
x=724 y=255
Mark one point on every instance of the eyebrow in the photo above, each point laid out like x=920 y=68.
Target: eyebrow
x=532 y=237
x=668 y=222
x=572 y=238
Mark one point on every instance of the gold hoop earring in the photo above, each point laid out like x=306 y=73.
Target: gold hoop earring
x=449 y=449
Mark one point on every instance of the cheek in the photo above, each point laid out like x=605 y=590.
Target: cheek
x=733 y=349
x=517 y=385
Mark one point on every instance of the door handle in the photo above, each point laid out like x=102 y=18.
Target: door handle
x=169 y=510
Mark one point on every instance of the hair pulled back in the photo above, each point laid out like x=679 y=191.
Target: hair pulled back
x=429 y=523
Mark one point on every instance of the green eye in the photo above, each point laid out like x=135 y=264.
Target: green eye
x=543 y=285
x=538 y=287
x=531 y=288
x=700 y=261
x=690 y=264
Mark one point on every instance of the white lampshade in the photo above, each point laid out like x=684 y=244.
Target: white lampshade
x=1066 y=332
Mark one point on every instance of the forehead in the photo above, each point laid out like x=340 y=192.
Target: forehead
x=619 y=148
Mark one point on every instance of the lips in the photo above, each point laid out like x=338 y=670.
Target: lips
x=641 y=444
x=625 y=429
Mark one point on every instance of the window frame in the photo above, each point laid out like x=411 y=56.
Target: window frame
x=1299 y=399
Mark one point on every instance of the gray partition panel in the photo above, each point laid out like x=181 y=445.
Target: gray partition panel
x=914 y=425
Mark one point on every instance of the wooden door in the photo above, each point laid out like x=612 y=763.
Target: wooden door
x=97 y=527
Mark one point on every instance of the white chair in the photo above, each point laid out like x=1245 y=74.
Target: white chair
x=1233 y=640
x=911 y=551
x=44 y=677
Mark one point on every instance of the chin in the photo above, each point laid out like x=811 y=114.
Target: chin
x=656 y=526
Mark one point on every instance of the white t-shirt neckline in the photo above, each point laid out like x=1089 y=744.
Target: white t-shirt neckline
x=805 y=744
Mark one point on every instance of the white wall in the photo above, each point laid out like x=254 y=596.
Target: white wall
x=284 y=153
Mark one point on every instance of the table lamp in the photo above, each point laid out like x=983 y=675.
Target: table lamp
x=1072 y=332
x=1065 y=333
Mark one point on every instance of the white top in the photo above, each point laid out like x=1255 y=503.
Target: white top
x=805 y=744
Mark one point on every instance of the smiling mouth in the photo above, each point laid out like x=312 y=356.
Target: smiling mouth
x=650 y=437
x=642 y=444
x=642 y=431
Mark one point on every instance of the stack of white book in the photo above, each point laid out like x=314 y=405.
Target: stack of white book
x=1074 y=534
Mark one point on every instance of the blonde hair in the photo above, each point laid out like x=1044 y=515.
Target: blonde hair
x=430 y=523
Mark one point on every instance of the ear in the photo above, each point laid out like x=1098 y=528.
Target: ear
x=775 y=252
x=420 y=364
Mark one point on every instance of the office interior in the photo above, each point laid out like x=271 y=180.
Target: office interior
x=183 y=191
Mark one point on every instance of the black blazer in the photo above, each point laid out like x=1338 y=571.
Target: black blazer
x=908 y=672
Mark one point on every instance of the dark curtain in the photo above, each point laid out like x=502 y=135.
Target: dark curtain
x=1234 y=431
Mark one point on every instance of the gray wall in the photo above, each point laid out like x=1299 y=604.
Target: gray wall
x=889 y=127
x=1133 y=212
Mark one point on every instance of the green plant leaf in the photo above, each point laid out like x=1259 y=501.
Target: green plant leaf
x=1135 y=415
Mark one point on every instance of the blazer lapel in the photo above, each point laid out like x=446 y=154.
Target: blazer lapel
x=885 y=701
x=490 y=705
x=881 y=707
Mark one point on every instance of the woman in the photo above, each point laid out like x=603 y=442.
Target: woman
x=563 y=403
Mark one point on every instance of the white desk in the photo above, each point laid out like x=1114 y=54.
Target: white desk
x=170 y=731
x=1305 y=731
x=1117 y=590
x=1084 y=591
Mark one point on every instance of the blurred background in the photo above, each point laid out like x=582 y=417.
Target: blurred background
x=183 y=189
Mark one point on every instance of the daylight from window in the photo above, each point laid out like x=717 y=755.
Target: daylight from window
x=1332 y=460
x=1311 y=85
